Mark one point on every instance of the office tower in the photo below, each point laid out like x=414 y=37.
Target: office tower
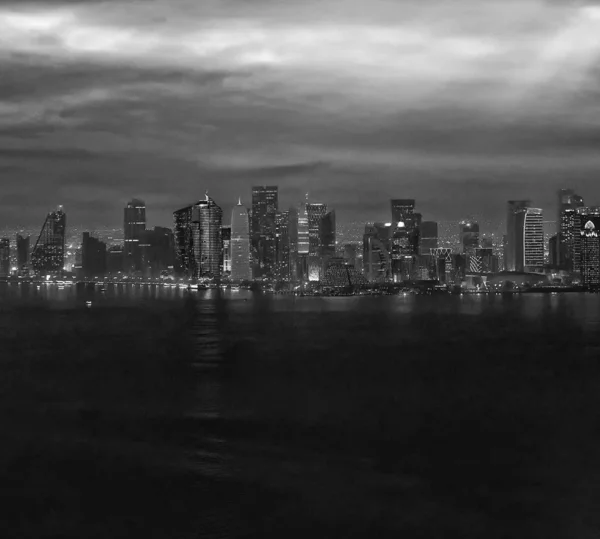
x=282 y=236
x=315 y=213
x=265 y=204
x=444 y=264
x=23 y=258
x=514 y=245
x=226 y=250
x=157 y=252
x=469 y=236
x=327 y=235
x=4 y=257
x=402 y=252
x=93 y=257
x=403 y=211
x=49 y=251
x=377 y=261
x=486 y=261
x=590 y=254
x=134 y=225
x=198 y=239
x=114 y=259
x=240 y=244
x=566 y=226
x=582 y=216
x=534 y=240
x=429 y=237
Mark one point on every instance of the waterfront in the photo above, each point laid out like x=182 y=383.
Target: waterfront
x=211 y=414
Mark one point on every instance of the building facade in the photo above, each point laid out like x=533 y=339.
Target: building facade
x=240 y=244
x=567 y=227
x=590 y=254
x=49 y=251
x=198 y=243
x=93 y=257
x=429 y=237
x=134 y=226
x=265 y=205
x=469 y=237
x=23 y=253
x=4 y=257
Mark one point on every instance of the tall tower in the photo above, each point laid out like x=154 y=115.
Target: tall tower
x=403 y=211
x=533 y=240
x=23 y=257
x=315 y=213
x=590 y=254
x=134 y=226
x=49 y=252
x=567 y=227
x=4 y=257
x=514 y=245
x=240 y=244
x=198 y=239
x=265 y=205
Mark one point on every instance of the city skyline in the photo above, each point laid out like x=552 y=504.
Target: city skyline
x=352 y=102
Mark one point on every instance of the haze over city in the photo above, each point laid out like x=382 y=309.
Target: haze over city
x=460 y=105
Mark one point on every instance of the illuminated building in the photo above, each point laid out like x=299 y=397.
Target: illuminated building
x=444 y=263
x=134 y=226
x=265 y=205
x=567 y=227
x=403 y=211
x=4 y=257
x=49 y=251
x=23 y=256
x=469 y=236
x=226 y=250
x=282 y=235
x=93 y=257
x=524 y=238
x=198 y=239
x=315 y=213
x=429 y=237
x=590 y=255
x=240 y=244
x=402 y=253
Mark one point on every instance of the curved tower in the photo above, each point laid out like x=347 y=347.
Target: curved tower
x=240 y=244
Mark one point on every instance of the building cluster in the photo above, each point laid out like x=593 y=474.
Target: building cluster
x=298 y=245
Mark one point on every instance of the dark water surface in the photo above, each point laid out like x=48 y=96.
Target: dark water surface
x=163 y=413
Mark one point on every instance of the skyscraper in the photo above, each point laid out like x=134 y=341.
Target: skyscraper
x=240 y=244
x=198 y=239
x=265 y=205
x=93 y=257
x=226 y=250
x=23 y=246
x=590 y=254
x=469 y=236
x=567 y=226
x=514 y=244
x=403 y=211
x=429 y=237
x=4 y=257
x=315 y=213
x=49 y=252
x=534 y=240
x=377 y=260
x=282 y=234
x=134 y=226
x=583 y=215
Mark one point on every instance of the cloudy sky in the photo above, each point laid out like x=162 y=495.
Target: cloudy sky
x=461 y=104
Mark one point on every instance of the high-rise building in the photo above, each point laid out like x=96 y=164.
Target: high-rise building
x=198 y=239
x=93 y=257
x=403 y=211
x=377 y=260
x=429 y=237
x=23 y=252
x=49 y=252
x=514 y=245
x=265 y=205
x=402 y=252
x=114 y=259
x=590 y=254
x=303 y=231
x=315 y=213
x=226 y=250
x=567 y=226
x=533 y=240
x=4 y=257
x=134 y=226
x=553 y=251
x=240 y=244
x=469 y=236
x=582 y=216
x=282 y=235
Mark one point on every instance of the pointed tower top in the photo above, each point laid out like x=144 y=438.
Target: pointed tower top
x=239 y=201
x=206 y=195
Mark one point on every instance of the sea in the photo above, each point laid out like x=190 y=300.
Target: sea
x=162 y=412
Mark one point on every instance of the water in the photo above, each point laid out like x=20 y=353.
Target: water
x=220 y=414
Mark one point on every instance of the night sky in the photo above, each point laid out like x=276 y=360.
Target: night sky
x=460 y=104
